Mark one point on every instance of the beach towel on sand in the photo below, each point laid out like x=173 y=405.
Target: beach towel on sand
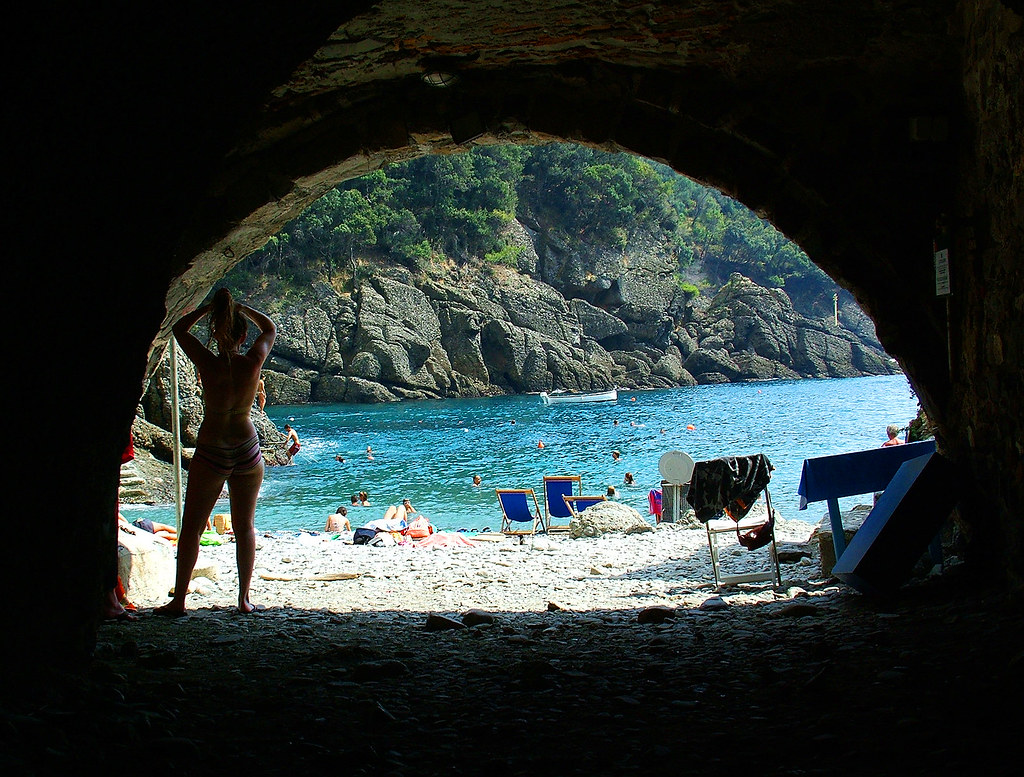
x=444 y=540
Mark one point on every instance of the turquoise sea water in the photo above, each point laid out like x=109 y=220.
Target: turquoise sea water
x=429 y=451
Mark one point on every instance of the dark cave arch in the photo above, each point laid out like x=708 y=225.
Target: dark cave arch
x=854 y=152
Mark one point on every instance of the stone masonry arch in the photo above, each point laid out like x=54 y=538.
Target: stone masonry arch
x=172 y=148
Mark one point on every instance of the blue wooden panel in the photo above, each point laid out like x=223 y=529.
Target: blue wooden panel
x=899 y=528
x=861 y=472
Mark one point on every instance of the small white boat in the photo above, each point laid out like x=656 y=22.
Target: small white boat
x=560 y=396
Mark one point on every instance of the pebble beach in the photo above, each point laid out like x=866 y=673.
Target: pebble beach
x=612 y=655
x=667 y=566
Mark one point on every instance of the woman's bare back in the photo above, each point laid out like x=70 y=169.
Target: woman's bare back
x=229 y=390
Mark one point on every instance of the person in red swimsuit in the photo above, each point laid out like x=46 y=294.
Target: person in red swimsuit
x=227 y=447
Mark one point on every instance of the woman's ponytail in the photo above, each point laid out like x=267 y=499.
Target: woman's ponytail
x=227 y=324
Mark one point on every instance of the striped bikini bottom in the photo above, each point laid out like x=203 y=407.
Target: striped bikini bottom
x=231 y=461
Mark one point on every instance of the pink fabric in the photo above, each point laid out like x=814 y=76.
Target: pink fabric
x=445 y=540
x=654 y=501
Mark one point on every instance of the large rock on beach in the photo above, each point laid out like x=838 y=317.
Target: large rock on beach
x=853 y=519
x=145 y=564
x=607 y=517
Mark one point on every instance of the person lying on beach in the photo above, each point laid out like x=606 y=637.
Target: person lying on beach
x=401 y=513
x=338 y=521
x=164 y=530
x=393 y=521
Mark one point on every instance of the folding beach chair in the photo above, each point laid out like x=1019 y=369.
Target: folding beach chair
x=721 y=529
x=556 y=487
x=731 y=486
x=515 y=509
x=577 y=504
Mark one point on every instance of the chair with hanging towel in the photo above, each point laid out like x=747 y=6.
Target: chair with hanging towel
x=722 y=493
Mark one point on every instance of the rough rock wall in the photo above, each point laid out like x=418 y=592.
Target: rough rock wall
x=987 y=267
x=781 y=102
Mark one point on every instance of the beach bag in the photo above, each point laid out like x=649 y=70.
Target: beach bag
x=759 y=536
x=363 y=536
x=419 y=528
x=755 y=538
x=383 y=539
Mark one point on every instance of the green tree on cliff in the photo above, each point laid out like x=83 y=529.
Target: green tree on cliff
x=454 y=208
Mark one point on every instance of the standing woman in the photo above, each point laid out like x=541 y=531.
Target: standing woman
x=227 y=447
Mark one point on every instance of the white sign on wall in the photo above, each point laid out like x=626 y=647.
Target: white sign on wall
x=942 y=273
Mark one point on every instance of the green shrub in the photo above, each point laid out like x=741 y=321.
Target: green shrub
x=689 y=289
x=507 y=255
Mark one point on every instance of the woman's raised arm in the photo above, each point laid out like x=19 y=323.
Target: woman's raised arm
x=189 y=343
x=268 y=331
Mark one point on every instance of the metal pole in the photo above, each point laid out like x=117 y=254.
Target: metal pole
x=176 y=431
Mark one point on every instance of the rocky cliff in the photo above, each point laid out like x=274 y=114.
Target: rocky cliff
x=578 y=319
x=499 y=330
x=557 y=320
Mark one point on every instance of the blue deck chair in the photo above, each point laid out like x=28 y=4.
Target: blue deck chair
x=515 y=509
x=556 y=511
x=577 y=504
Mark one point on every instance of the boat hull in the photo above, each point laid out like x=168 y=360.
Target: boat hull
x=571 y=397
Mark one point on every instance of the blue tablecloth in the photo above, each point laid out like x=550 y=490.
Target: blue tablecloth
x=861 y=472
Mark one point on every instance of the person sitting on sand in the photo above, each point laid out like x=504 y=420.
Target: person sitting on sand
x=892 y=430
x=339 y=520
